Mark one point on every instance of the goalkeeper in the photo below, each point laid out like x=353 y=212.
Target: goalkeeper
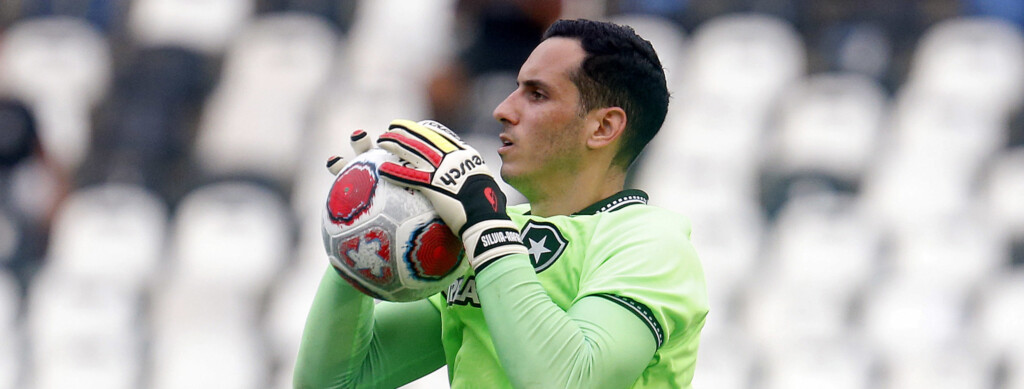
x=599 y=291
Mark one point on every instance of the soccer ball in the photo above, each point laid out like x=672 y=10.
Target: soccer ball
x=386 y=240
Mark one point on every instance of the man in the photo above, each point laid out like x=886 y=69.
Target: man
x=603 y=291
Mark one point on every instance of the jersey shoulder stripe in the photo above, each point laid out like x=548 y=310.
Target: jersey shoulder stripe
x=640 y=311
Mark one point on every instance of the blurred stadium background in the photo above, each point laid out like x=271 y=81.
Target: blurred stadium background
x=853 y=171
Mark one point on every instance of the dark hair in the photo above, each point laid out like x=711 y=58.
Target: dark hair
x=621 y=70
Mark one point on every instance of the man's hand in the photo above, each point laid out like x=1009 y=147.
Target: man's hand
x=360 y=141
x=452 y=175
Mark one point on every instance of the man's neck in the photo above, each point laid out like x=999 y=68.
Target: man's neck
x=569 y=195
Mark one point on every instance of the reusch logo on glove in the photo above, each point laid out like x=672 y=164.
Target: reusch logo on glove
x=455 y=173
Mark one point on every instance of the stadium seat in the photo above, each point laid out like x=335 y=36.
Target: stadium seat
x=934 y=125
x=902 y=190
x=999 y=313
x=728 y=241
x=837 y=365
x=974 y=60
x=399 y=58
x=959 y=253
x=207 y=26
x=1002 y=190
x=61 y=67
x=208 y=355
x=110 y=232
x=232 y=234
x=953 y=368
x=726 y=361
x=714 y=155
x=1014 y=371
x=831 y=123
x=290 y=299
x=745 y=58
x=778 y=315
x=207 y=334
x=824 y=242
x=668 y=39
x=256 y=120
x=911 y=316
x=11 y=357
x=83 y=332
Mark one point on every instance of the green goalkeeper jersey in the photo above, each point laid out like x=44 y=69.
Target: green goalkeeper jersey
x=612 y=296
x=619 y=249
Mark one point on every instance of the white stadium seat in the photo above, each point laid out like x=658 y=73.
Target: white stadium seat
x=232 y=234
x=221 y=358
x=383 y=55
x=953 y=368
x=903 y=190
x=999 y=314
x=780 y=315
x=256 y=121
x=830 y=122
x=824 y=242
x=912 y=316
x=11 y=359
x=113 y=232
x=729 y=242
x=976 y=61
x=834 y=365
x=61 y=67
x=938 y=126
x=83 y=331
x=725 y=361
x=207 y=25
x=10 y=331
x=1003 y=190
x=959 y=253
x=746 y=58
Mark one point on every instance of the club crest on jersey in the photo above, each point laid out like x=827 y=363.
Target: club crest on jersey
x=369 y=254
x=429 y=248
x=544 y=242
x=352 y=193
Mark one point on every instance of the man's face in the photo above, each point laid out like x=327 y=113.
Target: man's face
x=543 y=137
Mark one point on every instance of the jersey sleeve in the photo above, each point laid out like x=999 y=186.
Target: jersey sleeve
x=350 y=342
x=641 y=259
x=592 y=344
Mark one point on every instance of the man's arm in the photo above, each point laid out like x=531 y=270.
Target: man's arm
x=348 y=342
x=595 y=344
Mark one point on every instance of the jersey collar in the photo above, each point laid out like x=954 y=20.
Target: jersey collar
x=615 y=202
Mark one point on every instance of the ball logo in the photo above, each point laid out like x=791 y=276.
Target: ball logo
x=369 y=254
x=433 y=251
x=352 y=193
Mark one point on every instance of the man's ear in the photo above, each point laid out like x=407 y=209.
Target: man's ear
x=611 y=123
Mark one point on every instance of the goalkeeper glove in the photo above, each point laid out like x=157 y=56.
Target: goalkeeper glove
x=452 y=175
x=360 y=141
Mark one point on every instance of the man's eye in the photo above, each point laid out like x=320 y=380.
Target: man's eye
x=537 y=95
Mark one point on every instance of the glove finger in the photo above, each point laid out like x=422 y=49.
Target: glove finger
x=360 y=141
x=436 y=138
x=335 y=164
x=415 y=151
x=404 y=176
